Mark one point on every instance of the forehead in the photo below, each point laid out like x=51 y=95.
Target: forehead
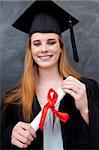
x=40 y=36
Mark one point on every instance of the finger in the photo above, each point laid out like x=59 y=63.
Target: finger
x=28 y=136
x=19 y=129
x=81 y=86
x=72 y=87
x=75 y=82
x=18 y=143
x=22 y=132
x=73 y=94
x=31 y=130
x=26 y=126
x=71 y=78
x=22 y=139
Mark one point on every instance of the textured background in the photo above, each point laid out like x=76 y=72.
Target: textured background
x=13 y=42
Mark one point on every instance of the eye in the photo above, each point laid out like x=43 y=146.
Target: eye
x=51 y=42
x=36 y=43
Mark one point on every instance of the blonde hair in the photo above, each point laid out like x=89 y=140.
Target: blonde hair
x=23 y=94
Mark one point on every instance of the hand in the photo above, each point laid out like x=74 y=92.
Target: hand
x=77 y=90
x=22 y=135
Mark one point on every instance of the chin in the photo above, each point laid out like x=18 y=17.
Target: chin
x=46 y=65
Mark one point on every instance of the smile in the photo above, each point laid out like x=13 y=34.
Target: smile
x=45 y=57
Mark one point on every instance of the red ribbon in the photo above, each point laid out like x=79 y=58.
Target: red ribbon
x=52 y=98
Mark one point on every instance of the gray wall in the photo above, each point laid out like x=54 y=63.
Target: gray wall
x=13 y=42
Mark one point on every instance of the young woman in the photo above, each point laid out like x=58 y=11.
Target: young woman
x=46 y=66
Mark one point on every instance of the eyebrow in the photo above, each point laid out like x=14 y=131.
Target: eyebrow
x=51 y=39
x=36 y=40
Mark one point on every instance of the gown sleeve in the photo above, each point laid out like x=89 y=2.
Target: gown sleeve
x=76 y=133
x=92 y=88
x=9 y=116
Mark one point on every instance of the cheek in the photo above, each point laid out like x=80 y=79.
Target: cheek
x=34 y=51
x=57 y=50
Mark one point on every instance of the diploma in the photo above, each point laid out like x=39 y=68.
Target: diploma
x=35 y=123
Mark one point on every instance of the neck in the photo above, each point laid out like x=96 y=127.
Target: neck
x=49 y=74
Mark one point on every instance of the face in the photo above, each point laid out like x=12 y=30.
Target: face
x=45 y=49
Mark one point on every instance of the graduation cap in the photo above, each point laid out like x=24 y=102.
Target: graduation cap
x=46 y=17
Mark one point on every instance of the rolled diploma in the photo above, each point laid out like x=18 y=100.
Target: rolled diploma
x=36 y=121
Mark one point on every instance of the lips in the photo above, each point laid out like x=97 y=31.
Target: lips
x=45 y=57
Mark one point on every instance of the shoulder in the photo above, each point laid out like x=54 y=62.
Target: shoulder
x=10 y=109
x=92 y=88
x=10 y=106
x=90 y=83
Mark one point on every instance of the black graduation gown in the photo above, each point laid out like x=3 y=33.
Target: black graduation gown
x=76 y=133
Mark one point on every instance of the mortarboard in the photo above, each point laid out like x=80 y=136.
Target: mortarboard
x=47 y=16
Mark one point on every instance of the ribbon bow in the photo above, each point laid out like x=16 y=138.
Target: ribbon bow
x=52 y=98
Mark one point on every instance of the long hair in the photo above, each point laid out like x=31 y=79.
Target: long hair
x=23 y=94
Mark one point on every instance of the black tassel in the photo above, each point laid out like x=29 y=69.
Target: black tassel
x=75 y=54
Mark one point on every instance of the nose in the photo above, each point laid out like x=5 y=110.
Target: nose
x=44 y=48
